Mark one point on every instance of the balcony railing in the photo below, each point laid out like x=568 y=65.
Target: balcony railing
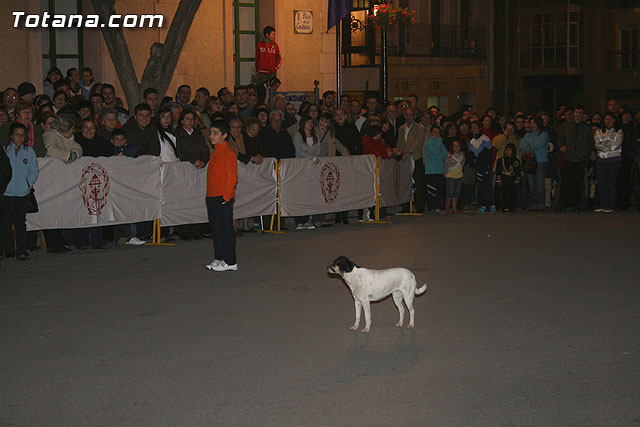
x=440 y=41
x=623 y=60
x=418 y=40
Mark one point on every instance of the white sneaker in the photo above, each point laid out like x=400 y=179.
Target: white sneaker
x=309 y=226
x=299 y=226
x=607 y=210
x=599 y=210
x=135 y=241
x=214 y=263
x=223 y=266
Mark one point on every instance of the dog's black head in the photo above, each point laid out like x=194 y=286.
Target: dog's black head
x=341 y=265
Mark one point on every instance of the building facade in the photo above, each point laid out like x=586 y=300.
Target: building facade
x=445 y=58
x=550 y=53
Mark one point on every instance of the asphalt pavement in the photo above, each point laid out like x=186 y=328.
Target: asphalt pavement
x=528 y=320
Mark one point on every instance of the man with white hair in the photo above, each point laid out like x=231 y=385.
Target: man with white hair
x=276 y=139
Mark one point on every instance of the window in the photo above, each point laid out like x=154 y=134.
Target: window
x=628 y=50
x=246 y=35
x=550 y=40
x=61 y=47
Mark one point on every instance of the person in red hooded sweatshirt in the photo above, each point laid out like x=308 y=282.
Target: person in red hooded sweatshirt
x=268 y=58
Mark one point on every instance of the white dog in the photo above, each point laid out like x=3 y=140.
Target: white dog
x=373 y=285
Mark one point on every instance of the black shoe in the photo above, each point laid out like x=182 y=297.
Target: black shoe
x=346 y=222
x=23 y=257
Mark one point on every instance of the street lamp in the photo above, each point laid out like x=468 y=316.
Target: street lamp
x=384 y=77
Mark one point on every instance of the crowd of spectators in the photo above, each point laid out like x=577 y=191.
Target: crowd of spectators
x=569 y=160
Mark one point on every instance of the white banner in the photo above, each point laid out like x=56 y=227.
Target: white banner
x=335 y=184
x=93 y=191
x=396 y=181
x=184 y=189
x=122 y=190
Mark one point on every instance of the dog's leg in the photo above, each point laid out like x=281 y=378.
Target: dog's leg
x=397 y=299
x=367 y=315
x=358 y=307
x=408 y=299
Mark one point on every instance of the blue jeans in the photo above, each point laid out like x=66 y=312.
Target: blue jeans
x=536 y=186
x=221 y=222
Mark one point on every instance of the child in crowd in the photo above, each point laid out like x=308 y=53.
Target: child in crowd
x=508 y=178
x=374 y=143
x=434 y=155
x=222 y=178
x=453 y=165
x=468 y=181
x=481 y=158
x=120 y=145
x=122 y=232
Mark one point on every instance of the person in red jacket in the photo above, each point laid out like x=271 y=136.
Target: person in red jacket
x=222 y=178
x=373 y=143
x=268 y=58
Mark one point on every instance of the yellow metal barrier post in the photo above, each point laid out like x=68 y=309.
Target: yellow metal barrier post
x=377 y=207
x=410 y=213
x=271 y=230
x=157 y=235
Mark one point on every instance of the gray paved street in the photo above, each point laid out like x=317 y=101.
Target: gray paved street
x=529 y=320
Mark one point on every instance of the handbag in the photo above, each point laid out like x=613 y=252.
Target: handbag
x=32 y=202
x=529 y=161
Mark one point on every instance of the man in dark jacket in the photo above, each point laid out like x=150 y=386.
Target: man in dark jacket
x=140 y=131
x=347 y=133
x=276 y=139
x=576 y=144
x=630 y=149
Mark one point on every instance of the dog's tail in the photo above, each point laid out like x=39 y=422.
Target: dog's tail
x=421 y=290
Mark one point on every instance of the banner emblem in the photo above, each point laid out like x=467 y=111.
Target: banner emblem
x=94 y=187
x=330 y=182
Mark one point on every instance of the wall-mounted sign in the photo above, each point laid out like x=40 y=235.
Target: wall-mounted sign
x=296 y=98
x=302 y=22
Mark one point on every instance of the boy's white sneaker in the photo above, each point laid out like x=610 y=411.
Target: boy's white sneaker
x=135 y=241
x=214 y=263
x=223 y=266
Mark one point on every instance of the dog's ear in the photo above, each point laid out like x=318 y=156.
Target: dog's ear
x=345 y=264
